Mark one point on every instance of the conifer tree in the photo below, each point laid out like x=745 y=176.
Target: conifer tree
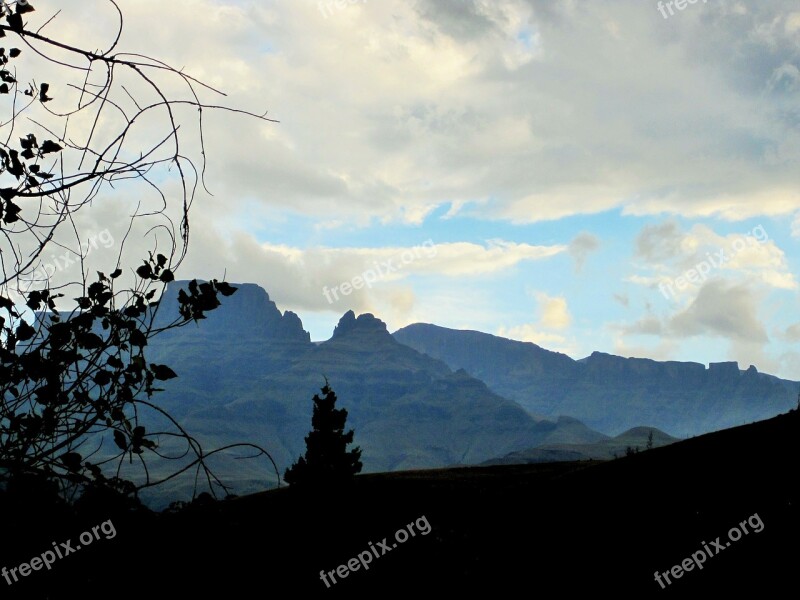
x=327 y=459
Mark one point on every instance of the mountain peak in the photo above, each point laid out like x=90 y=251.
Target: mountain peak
x=248 y=312
x=365 y=323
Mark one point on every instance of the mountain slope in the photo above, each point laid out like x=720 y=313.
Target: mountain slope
x=609 y=393
x=248 y=373
x=636 y=438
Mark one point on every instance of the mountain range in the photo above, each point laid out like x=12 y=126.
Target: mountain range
x=609 y=393
x=424 y=397
x=247 y=373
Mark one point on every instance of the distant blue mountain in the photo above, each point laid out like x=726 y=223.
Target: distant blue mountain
x=247 y=373
x=609 y=393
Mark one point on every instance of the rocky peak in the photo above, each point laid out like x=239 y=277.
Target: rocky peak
x=248 y=312
x=365 y=324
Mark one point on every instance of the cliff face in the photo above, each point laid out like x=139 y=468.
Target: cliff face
x=248 y=373
x=249 y=312
x=365 y=326
x=609 y=393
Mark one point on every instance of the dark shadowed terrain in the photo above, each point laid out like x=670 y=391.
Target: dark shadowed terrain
x=570 y=528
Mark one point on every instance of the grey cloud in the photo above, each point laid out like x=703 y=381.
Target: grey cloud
x=645 y=326
x=720 y=309
x=623 y=299
x=792 y=333
x=656 y=243
x=581 y=247
x=462 y=20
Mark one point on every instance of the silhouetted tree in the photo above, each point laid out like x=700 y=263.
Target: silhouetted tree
x=650 y=440
x=75 y=379
x=327 y=459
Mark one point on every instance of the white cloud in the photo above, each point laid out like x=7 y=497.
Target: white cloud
x=298 y=276
x=549 y=330
x=554 y=313
x=507 y=110
x=678 y=262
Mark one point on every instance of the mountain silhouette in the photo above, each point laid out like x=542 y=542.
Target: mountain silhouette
x=609 y=393
x=248 y=373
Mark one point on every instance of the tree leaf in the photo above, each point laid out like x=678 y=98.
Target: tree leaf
x=120 y=440
x=226 y=289
x=145 y=272
x=90 y=341
x=72 y=460
x=25 y=332
x=137 y=338
x=43 y=97
x=15 y=22
x=49 y=146
x=12 y=210
x=162 y=372
x=102 y=377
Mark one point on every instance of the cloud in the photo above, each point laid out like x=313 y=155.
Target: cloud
x=581 y=247
x=648 y=325
x=553 y=316
x=678 y=262
x=468 y=259
x=724 y=310
x=298 y=276
x=553 y=311
x=513 y=113
x=462 y=20
x=796 y=226
x=792 y=333
x=660 y=242
x=720 y=309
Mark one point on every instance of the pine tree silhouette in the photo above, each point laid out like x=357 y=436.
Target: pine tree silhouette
x=327 y=459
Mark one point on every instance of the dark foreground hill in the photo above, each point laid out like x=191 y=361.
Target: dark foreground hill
x=609 y=393
x=728 y=499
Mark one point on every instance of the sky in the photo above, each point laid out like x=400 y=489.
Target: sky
x=616 y=176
